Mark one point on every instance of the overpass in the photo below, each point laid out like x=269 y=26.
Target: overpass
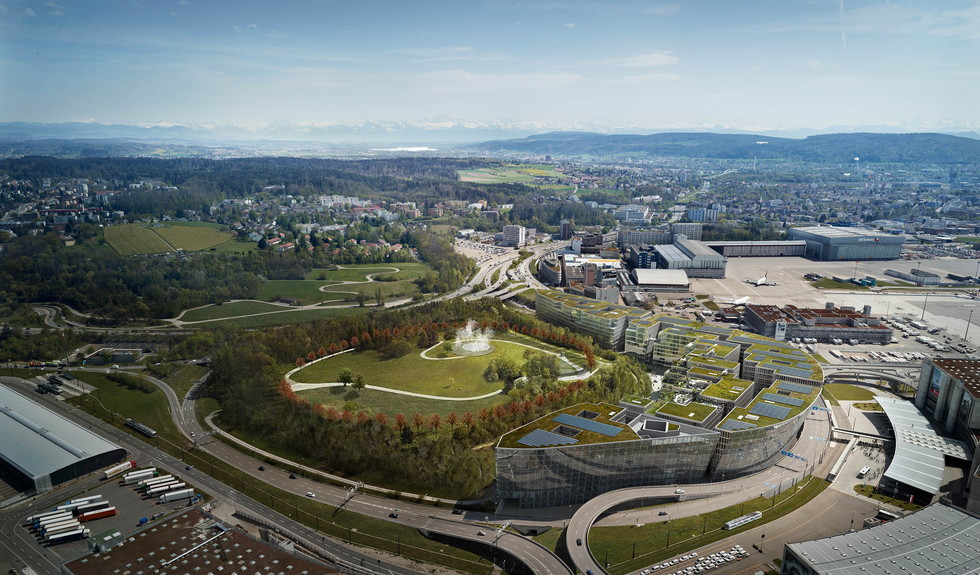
x=538 y=559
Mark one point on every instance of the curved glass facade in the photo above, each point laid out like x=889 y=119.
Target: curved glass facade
x=552 y=476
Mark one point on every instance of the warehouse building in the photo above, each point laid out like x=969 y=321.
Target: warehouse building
x=768 y=249
x=692 y=256
x=828 y=243
x=936 y=539
x=45 y=449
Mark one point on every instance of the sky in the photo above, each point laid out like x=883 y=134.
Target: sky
x=613 y=64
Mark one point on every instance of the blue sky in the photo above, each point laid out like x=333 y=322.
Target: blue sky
x=758 y=65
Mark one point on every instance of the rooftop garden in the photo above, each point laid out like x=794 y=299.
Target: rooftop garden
x=694 y=411
x=728 y=388
x=584 y=437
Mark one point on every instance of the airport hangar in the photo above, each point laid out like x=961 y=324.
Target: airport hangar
x=44 y=449
x=828 y=243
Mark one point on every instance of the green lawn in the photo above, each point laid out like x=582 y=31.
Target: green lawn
x=457 y=377
x=844 y=392
x=282 y=318
x=233 y=309
x=454 y=377
x=308 y=290
x=148 y=408
x=391 y=403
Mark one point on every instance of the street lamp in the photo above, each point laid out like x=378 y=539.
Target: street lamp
x=924 y=304
x=968 y=321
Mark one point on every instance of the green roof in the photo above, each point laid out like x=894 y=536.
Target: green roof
x=694 y=411
x=584 y=437
x=728 y=388
x=740 y=413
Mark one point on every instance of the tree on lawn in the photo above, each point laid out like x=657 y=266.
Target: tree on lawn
x=346 y=376
x=452 y=420
x=400 y=420
x=359 y=381
x=435 y=421
x=418 y=420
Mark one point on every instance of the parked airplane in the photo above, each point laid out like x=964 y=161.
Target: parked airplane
x=763 y=281
x=737 y=302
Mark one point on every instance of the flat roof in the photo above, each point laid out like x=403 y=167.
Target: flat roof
x=661 y=277
x=835 y=232
x=914 y=464
x=38 y=441
x=936 y=539
x=965 y=370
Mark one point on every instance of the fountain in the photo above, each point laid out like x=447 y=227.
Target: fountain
x=471 y=340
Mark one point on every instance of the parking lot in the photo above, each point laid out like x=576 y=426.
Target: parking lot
x=131 y=506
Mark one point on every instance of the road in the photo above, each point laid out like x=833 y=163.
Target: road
x=20 y=544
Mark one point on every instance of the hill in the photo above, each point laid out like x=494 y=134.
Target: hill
x=828 y=148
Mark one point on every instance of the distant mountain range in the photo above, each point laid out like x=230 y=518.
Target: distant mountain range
x=828 y=148
x=84 y=139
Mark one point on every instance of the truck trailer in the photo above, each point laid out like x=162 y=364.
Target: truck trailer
x=116 y=470
x=75 y=535
x=176 y=495
x=147 y=483
x=98 y=514
x=158 y=489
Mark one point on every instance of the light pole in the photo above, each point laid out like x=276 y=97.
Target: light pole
x=968 y=321
x=924 y=304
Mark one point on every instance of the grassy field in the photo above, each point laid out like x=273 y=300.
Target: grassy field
x=131 y=239
x=193 y=236
x=457 y=377
x=494 y=176
x=453 y=377
x=233 y=309
x=661 y=540
x=390 y=403
x=148 y=408
x=308 y=291
x=845 y=392
x=282 y=318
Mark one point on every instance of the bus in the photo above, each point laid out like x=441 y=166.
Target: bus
x=864 y=471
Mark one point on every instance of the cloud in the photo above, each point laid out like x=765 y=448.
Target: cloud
x=463 y=81
x=569 y=24
x=243 y=29
x=668 y=9
x=30 y=13
x=647 y=78
x=662 y=58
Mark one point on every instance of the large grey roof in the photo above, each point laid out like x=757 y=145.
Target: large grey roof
x=935 y=539
x=38 y=441
x=916 y=463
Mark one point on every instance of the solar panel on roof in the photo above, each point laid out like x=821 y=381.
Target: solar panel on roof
x=769 y=410
x=543 y=438
x=735 y=425
x=797 y=387
x=783 y=399
x=588 y=424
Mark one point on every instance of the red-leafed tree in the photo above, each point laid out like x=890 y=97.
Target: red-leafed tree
x=400 y=420
x=468 y=419
x=381 y=418
x=452 y=419
x=418 y=420
x=300 y=361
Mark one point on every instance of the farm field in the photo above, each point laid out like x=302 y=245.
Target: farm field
x=132 y=239
x=232 y=309
x=193 y=236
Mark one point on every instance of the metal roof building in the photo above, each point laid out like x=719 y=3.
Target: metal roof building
x=920 y=452
x=936 y=539
x=44 y=447
x=830 y=243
